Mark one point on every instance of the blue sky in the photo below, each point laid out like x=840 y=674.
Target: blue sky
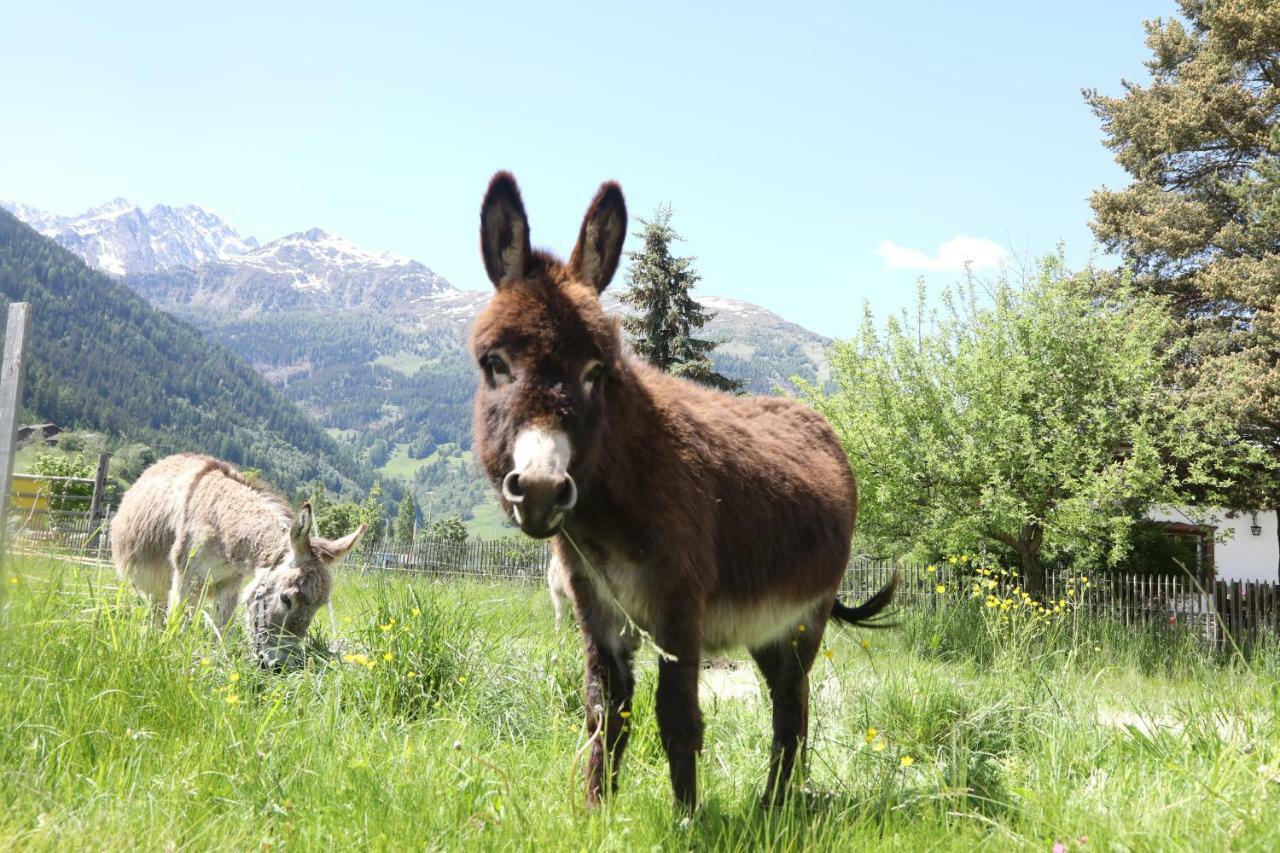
x=793 y=142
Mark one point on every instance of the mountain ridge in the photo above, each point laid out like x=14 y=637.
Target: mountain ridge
x=373 y=346
x=103 y=358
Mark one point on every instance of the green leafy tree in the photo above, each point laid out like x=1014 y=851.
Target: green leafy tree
x=1032 y=422
x=1200 y=221
x=667 y=318
x=406 y=521
x=63 y=495
x=338 y=518
x=449 y=529
x=131 y=459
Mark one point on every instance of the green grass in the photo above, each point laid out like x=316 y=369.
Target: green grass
x=490 y=522
x=399 y=464
x=118 y=735
x=404 y=362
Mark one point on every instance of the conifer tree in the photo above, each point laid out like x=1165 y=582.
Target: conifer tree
x=666 y=318
x=406 y=520
x=1200 y=222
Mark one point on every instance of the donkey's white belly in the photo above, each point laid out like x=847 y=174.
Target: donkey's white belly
x=725 y=625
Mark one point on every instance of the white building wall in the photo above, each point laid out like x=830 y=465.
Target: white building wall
x=1241 y=556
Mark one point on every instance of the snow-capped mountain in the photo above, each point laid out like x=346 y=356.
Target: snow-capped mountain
x=119 y=238
x=191 y=262
x=189 y=257
x=309 y=270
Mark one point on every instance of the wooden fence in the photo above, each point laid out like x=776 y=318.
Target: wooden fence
x=1217 y=613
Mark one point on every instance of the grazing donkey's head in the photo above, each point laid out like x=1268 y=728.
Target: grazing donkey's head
x=283 y=599
x=548 y=353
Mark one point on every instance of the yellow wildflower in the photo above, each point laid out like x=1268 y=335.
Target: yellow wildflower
x=462 y=679
x=233 y=677
x=942 y=588
x=206 y=662
x=951 y=560
x=829 y=653
x=411 y=674
x=906 y=761
x=389 y=656
x=232 y=698
x=871 y=734
x=878 y=746
x=416 y=612
x=931 y=569
x=624 y=714
x=800 y=627
x=866 y=644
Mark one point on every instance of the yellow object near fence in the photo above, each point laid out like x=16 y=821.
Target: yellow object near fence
x=29 y=495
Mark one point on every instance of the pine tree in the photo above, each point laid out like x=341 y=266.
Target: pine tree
x=1200 y=222
x=667 y=318
x=406 y=520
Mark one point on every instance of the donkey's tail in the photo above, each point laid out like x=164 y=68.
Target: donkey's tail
x=864 y=615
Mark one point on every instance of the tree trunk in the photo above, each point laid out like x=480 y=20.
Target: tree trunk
x=1029 y=554
x=1278 y=539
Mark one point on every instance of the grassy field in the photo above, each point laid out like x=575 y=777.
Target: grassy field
x=490 y=522
x=449 y=717
x=400 y=465
x=405 y=362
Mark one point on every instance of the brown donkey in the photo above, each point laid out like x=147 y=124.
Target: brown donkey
x=705 y=520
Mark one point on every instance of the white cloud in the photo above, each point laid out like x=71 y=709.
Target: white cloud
x=951 y=255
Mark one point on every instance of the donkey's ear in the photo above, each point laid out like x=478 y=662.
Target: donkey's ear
x=504 y=231
x=339 y=548
x=595 y=258
x=300 y=532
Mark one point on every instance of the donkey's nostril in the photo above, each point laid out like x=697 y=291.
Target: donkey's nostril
x=511 y=488
x=567 y=494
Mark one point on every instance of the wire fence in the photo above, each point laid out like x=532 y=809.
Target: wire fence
x=1216 y=611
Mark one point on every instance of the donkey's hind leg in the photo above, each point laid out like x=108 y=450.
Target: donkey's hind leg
x=785 y=665
x=152 y=581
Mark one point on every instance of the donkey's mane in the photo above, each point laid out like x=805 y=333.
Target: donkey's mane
x=232 y=473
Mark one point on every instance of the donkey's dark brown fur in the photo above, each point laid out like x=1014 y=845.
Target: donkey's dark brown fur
x=708 y=520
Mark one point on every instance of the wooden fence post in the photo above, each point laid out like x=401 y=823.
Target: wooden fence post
x=95 y=502
x=11 y=378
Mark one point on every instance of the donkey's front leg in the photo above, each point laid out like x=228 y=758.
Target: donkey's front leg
x=679 y=717
x=607 y=687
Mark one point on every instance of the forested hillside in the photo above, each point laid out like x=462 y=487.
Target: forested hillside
x=102 y=358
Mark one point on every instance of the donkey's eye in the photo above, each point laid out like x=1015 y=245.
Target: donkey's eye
x=497 y=369
x=592 y=375
x=286 y=599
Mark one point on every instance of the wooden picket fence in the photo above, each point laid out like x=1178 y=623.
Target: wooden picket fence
x=499 y=559
x=1218 y=612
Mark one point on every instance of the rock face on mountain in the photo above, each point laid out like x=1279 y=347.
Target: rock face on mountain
x=309 y=270
x=372 y=345
x=119 y=238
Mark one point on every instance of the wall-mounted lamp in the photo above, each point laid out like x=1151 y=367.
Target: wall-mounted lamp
x=1255 y=529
